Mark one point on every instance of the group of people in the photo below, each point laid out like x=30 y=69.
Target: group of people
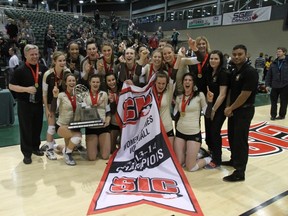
x=185 y=88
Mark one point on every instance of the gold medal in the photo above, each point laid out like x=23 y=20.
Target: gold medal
x=199 y=75
x=182 y=114
x=36 y=85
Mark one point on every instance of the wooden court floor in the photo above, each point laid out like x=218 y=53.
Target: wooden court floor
x=47 y=188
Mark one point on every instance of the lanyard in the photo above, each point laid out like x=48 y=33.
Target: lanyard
x=72 y=100
x=94 y=99
x=106 y=68
x=200 y=66
x=115 y=96
x=35 y=74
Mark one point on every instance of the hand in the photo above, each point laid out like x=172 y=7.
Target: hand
x=87 y=67
x=192 y=44
x=111 y=97
x=268 y=89
x=121 y=59
x=210 y=95
x=100 y=67
x=228 y=112
x=129 y=82
x=107 y=121
x=55 y=91
x=181 y=52
x=31 y=90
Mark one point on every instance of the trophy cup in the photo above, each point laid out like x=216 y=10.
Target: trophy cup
x=85 y=116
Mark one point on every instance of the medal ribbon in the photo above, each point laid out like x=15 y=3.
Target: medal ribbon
x=106 y=68
x=159 y=97
x=130 y=73
x=35 y=74
x=184 y=103
x=116 y=97
x=72 y=100
x=170 y=68
x=57 y=79
x=150 y=72
x=200 y=66
x=94 y=99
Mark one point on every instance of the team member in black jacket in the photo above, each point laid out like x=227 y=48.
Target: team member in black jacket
x=27 y=82
x=240 y=110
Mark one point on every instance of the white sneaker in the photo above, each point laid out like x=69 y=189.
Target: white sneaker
x=50 y=154
x=44 y=147
x=69 y=159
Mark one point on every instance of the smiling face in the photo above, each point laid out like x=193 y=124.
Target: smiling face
x=107 y=52
x=94 y=84
x=161 y=84
x=239 y=57
x=74 y=50
x=70 y=82
x=111 y=81
x=60 y=62
x=157 y=58
x=92 y=51
x=32 y=56
x=130 y=56
x=188 y=83
x=202 y=46
x=214 y=61
x=168 y=55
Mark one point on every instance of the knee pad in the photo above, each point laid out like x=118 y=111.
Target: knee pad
x=51 y=130
x=76 y=140
x=195 y=168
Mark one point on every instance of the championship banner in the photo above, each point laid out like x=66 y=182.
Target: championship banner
x=204 y=22
x=247 y=16
x=144 y=170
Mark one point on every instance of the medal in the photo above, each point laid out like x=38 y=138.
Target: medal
x=36 y=85
x=182 y=114
x=199 y=76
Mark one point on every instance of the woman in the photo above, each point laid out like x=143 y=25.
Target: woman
x=113 y=90
x=127 y=67
x=53 y=77
x=188 y=131
x=163 y=89
x=148 y=70
x=66 y=104
x=100 y=135
x=105 y=64
x=218 y=80
x=74 y=58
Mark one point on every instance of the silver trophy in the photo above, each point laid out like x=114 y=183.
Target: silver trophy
x=85 y=116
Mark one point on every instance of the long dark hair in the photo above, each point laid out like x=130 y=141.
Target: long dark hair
x=195 y=88
x=221 y=57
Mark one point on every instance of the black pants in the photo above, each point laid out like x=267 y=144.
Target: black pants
x=238 y=132
x=30 y=125
x=274 y=95
x=213 y=135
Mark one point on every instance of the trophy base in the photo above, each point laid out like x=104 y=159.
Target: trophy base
x=84 y=124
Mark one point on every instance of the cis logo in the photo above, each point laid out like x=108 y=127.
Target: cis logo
x=145 y=186
x=136 y=107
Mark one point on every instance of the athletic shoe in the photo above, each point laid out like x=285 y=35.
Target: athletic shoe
x=203 y=153
x=50 y=154
x=80 y=149
x=211 y=165
x=69 y=159
x=38 y=153
x=44 y=147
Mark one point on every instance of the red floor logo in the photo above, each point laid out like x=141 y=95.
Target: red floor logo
x=264 y=139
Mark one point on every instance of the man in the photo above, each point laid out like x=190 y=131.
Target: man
x=260 y=65
x=13 y=61
x=244 y=80
x=174 y=39
x=277 y=79
x=27 y=83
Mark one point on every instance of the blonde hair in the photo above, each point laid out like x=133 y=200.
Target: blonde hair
x=55 y=56
x=198 y=39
